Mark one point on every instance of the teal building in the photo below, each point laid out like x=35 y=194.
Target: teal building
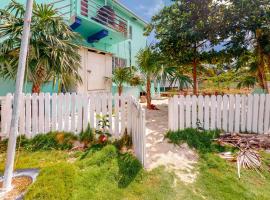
x=112 y=36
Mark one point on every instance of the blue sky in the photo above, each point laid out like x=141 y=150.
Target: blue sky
x=145 y=9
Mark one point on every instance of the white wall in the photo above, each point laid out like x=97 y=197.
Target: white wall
x=95 y=67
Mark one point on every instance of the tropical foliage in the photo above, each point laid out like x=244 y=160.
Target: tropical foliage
x=53 y=55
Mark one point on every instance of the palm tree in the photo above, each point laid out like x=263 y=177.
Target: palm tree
x=147 y=61
x=53 y=55
x=121 y=76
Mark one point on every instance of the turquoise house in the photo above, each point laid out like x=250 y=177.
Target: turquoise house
x=112 y=36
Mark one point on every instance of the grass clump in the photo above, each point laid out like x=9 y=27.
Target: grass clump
x=200 y=140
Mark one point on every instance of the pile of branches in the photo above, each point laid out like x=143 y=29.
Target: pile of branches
x=246 y=141
x=248 y=145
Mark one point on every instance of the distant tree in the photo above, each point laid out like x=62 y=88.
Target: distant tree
x=53 y=55
x=247 y=36
x=186 y=30
x=148 y=63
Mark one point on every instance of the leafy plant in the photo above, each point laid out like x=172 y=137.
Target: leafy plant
x=87 y=136
x=103 y=130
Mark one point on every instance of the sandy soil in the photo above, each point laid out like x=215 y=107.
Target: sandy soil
x=180 y=160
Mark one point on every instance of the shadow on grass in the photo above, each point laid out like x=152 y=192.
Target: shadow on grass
x=129 y=169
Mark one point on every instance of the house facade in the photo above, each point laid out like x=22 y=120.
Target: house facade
x=111 y=34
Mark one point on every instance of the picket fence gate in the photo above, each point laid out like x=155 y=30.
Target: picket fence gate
x=230 y=113
x=42 y=113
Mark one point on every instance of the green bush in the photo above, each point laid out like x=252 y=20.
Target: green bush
x=200 y=140
x=87 y=136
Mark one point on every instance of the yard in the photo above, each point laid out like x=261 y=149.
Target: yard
x=105 y=173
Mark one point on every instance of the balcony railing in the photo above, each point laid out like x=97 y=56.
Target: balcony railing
x=104 y=15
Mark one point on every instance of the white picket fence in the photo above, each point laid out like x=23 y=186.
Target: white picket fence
x=231 y=113
x=42 y=113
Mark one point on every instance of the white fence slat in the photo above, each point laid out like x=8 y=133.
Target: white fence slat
x=243 y=126
x=54 y=112
x=129 y=114
x=213 y=109
x=200 y=109
x=175 y=113
x=22 y=116
x=110 y=100
x=188 y=112
x=73 y=107
x=85 y=111
x=79 y=113
x=249 y=113
x=206 y=112
x=41 y=113
x=123 y=114
x=8 y=112
x=92 y=111
x=47 y=119
x=225 y=109
x=34 y=114
x=28 y=116
x=116 y=119
x=67 y=113
x=194 y=111
x=219 y=112
x=255 y=113
x=267 y=114
x=181 y=112
x=261 y=113
x=237 y=114
x=60 y=104
x=231 y=113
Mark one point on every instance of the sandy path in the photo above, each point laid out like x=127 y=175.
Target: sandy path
x=181 y=160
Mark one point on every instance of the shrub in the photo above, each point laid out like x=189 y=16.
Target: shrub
x=87 y=136
x=200 y=140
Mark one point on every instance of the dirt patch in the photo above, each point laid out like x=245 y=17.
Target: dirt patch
x=178 y=159
x=19 y=184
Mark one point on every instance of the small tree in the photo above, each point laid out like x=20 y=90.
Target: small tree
x=147 y=61
x=125 y=75
x=53 y=55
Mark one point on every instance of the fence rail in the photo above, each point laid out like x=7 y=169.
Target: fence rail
x=231 y=113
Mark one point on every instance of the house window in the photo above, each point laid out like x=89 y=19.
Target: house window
x=118 y=62
x=130 y=32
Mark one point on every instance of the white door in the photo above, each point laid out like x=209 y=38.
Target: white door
x=96 y=71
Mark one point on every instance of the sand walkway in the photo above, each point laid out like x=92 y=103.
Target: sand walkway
x=180 y=160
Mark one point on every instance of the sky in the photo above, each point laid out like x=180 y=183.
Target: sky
x=145 y=9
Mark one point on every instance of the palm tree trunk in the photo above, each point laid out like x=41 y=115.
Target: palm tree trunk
x=36 y=88
x=194 y=71
x=148 y=92
x=120 y=90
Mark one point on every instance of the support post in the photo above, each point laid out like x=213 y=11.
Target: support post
x=17 y=98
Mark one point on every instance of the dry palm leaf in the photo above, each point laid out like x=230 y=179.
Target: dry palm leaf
x=248 y=159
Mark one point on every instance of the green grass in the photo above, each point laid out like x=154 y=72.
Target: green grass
x=103 y=173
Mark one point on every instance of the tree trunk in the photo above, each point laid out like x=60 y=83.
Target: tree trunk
x=120 y=90
x=148 y=92
x=194 y=72
x=36 y=88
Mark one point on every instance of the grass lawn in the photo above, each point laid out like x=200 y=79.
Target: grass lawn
x=106 y=174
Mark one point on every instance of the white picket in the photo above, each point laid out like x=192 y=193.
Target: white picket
x=188 y=112
x=237 y=114
x=28 y=116
x=225 y=108
x=47 y=118
x=116 y=118
x=41 y=113
x=73 y=107
x=206 y=112
x=267 y=114
x=243 y=109
x=79 y=114
x=54 y=112
x=175 y=113
x=218 y=113
x=34 y=114
x=110 y=99
x=85 y=103
x=194 y=111
x=123 y=114
x=231 y=113
x=249 y=113
x=8 y=113
x=213 y=109
x=60 y=105
x=181 y=112
x=22 y=117
x=92 y=110
x=200 y=109
x=255 y=113
x=67 y=112
x=261 y=113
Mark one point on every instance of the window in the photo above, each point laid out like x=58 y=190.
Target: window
x=118 y=62
x=130 y=32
